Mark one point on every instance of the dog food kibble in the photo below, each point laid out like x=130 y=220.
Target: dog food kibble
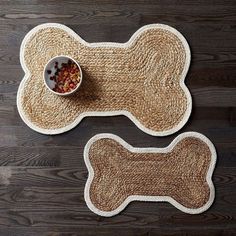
x=66 y=78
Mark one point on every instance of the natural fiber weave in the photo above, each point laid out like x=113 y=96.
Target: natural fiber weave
x=142 y=79
x=119 y=173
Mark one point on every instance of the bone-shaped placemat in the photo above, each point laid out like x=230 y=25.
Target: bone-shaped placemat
x=179 y=174
x=142 y=79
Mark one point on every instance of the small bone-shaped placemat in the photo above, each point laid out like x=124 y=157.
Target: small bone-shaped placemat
x=142 y=79
x=179 y=174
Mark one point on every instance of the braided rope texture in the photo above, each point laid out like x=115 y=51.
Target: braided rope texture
x=142 y=79
x=179 y=174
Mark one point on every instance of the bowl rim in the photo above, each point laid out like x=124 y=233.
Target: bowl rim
x=78 y=85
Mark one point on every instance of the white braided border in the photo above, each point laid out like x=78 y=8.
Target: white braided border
x=149 y=198
x=109 y=113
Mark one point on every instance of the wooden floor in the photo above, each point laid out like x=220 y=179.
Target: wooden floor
x=42 y=178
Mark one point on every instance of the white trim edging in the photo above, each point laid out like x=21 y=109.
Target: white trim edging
x=107 y=113
x=149 y=198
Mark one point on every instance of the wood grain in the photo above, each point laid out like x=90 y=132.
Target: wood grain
x=42 y=177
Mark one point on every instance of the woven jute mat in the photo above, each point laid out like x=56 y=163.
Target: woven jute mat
x=142 y=79
x=179 y=174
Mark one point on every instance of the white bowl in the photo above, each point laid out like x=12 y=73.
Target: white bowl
x=50 y=84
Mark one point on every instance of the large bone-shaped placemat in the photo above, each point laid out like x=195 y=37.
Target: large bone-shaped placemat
x=179 y=174
x=142 y=79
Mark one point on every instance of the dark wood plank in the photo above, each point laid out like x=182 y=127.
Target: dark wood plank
x=67 y=217
x=42 y=177
x=106 y=231
x=62 y=188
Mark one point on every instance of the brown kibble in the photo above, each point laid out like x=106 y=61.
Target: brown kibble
x=67 y=77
